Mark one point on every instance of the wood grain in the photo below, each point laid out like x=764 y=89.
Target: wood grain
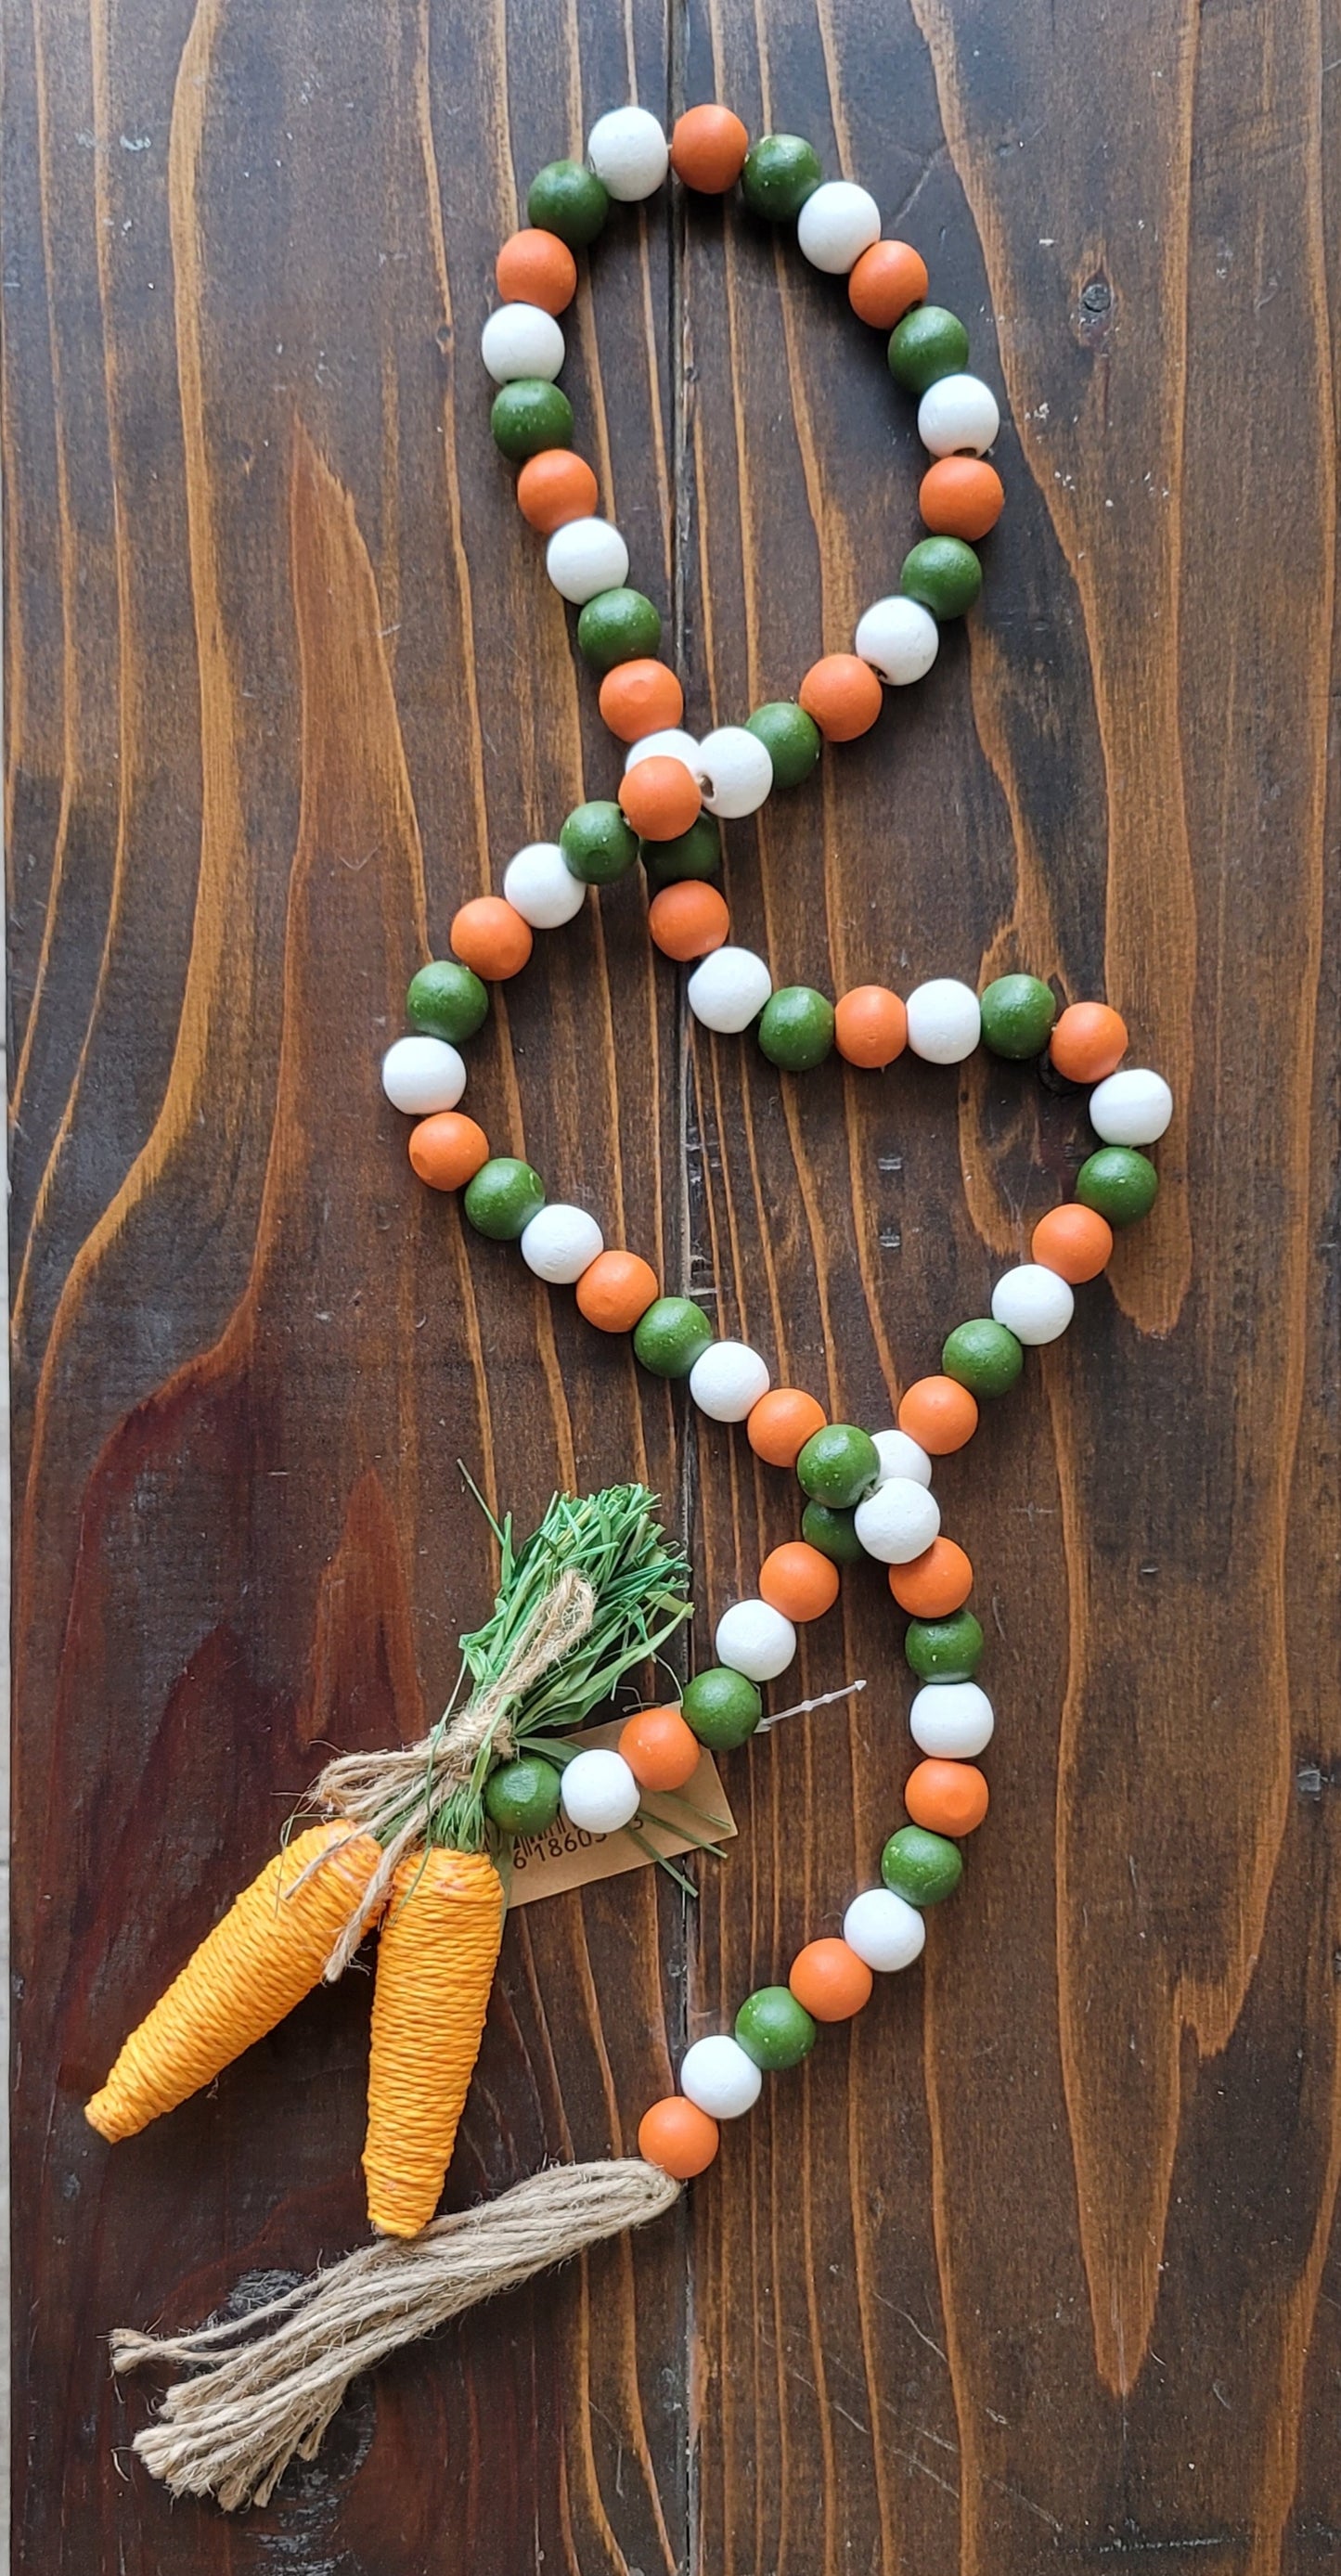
x=1035 y=2265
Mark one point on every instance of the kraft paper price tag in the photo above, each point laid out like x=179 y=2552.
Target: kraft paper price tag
x=546 y=1864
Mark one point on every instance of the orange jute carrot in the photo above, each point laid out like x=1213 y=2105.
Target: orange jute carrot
x=436 y=1958
x=251 y=1970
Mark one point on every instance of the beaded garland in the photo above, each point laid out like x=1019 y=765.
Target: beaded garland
x=866 y=1494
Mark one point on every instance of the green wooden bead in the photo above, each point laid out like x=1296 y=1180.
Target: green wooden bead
x=921 y=1867
x=944 y=574
x=1120 y=1183
x=568 y=199
x=446 y=1000
x=790 y=737
x=672 y=1334
x=695 y=853
x=927 y=344
x=721 y=1708
x=774 y=2029
x=522 y=1797
x=781 y=171
x=503 y=1197
x=833 y=1533
x=617 y=626
x=796 y=1028
x=1017 y=1016
x=983 y=1356
x=530 y=415
x=598 y=845
x=838 y=1465
x=944 y=1650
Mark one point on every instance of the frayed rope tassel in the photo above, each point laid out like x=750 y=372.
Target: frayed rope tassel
x=267 y=2384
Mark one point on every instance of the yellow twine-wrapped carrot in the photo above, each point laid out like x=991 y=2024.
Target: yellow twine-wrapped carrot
x=435 y=1966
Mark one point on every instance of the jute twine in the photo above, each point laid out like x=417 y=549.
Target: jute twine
x=268 y=2384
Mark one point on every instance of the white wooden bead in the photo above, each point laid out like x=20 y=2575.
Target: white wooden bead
x=629 y=153
x=669 y=744
x=719 y=2078
x=884 y=1929
x=420 y=1075
x=958 y=416
x=738 y=771
x=729 y=989
x=600 y=1793
x=900 y=1456
x=1131 y=1108
x=951 y=1720
x=1033 y=1303
x=521 y=340
x=836 y=224
x=728 y=1380
x=540 y=885
x=754 y=1639
x=898 y=1521
x=944 y=1021
x=585 y=557
x=899 y=638
x=560 y=1243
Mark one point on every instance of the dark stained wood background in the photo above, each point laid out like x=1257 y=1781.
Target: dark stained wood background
x=1031 y=2268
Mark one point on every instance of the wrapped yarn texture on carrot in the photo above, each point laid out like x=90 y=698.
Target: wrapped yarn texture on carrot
x=435 y=1966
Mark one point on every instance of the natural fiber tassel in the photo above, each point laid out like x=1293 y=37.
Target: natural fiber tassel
x=268 y=2384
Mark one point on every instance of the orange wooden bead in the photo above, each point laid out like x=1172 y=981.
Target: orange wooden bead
x=660 y=1748
x=448 y=1149
x=660 y=797
x=679 y=2137
x=640 y=697
x=781 y=1423
x=615 y=1289
x=535 y=267
x=1089 y=1042
x=708 y=148
x=934 y=1583
x=798 y=1580
x=946 y=1797
x=688 y=919
x=554 y=487
x=939 y=1414
x=961 y=496
x=1074 y=1241
x=843 y=696
x=870 y=1026
x=830 y=1980
x=491 y=936
x=886 y=282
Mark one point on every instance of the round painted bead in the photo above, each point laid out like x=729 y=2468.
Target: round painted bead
x=447 y=1150
x=901 y=1456
x=728 y=1380
x=947 y=1797
x=503 y=1197
x=622 y=626
x=420 y=1075
x=780 y=172
x=722 y=1707
x=790 y=737
x=920 y=1867
x=944 y=574
x=616 y=1290
x=870 y=1026
x=884 y=1930
x=774 y=2029
x=836 y=224
x=708 y=149
x=529 y=416
x=660 y=797
x=600 y=1794
x=1017 y=1016
x=886 y=280
x=670 y=1335
x=555 y=486
x=796 y=1030
x=719 y=2078
x=560 y=1243
x=944 y=1020
x=1034 y=1303
x=927 y=344
x=799 y=1581
x=597 y=843
x=695 y=853
x=678 y=2137
x=688 y=920
x=660 y=1750
x=568 y=200
x=536 y=268
x=522 y=340
x=953 y=1720
x=489 y=935
x=781 y=1424
x=629 y=154
x=830 y=1980
x=638 y=697
x=944 y=1650
x=833 y=1532
x=899 y=638
x=838 y=1465
x=737 y=769
x=938 y=1415
x=1131 y=1108
x=960 y=496
x=756 y=1640
x=843 y=695
x=1073 y=1239
x=540 y=885
x=668 y=742
x=585 y=556
x=982 y=1356
x=934 y=1584
x=446 y=1000
x=729 y=989
x=898 y=1521
x=522 y=1797
x=1089 y=1041
x=958 y=416
x=1118 y=1183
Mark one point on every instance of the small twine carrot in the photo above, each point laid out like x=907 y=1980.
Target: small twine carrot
x=436 y=1958
x=266 y=1954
